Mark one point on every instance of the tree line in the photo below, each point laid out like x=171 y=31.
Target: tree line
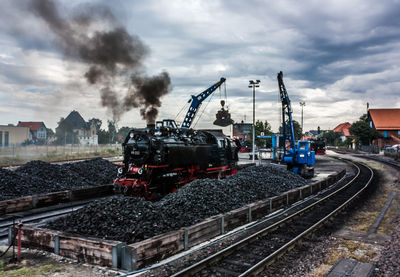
x=65 y=134
x=361 y=133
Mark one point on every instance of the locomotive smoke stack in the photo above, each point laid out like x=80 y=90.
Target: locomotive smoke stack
x=151 y=125
x=114 y=58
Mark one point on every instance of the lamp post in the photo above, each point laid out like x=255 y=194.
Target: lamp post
x=254 y=85
x=302 y=104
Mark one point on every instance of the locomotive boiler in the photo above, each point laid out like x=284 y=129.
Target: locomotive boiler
x=158 y=161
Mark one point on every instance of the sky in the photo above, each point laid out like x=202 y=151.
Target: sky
x=336 y=56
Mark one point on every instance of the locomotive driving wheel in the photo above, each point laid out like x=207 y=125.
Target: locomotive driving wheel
x=127 y=190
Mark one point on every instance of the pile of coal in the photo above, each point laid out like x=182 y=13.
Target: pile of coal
x=130 y=219
x=59 y=175
x=97 y=170
x=10 y=184
x=38 y=177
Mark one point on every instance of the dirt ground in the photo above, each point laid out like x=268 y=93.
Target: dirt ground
x=352 y=240
x=39 y=263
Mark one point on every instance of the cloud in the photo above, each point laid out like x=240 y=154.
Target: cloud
x=335 y=56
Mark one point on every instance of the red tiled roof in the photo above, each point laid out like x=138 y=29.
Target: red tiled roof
x=346 y=132
x=343 y=128
x=385 y=119
x=33 y=126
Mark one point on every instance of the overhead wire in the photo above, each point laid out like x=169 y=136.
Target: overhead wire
x=184 y=107
x=226 y=97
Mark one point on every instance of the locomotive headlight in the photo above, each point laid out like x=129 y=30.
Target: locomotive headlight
x=120 y=170
x=301 y=155
x=131 y=135
x=140 y=171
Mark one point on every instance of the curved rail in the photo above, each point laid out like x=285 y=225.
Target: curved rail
x=259 y=266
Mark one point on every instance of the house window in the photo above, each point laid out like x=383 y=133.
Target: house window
x=1 y=138
x=6 y=139
x=385 y=134
x=398 y=132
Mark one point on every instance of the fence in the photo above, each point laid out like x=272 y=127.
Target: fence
x=369 y=148
x=31 y=151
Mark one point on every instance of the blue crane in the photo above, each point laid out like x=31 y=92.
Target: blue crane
x=196 y=102
x=299 y=158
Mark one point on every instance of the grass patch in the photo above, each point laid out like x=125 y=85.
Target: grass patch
x=388 y=221
x=363 y=219
x=348 y=249
x=43 y=270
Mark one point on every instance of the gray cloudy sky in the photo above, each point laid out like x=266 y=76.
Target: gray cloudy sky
x=335 y=55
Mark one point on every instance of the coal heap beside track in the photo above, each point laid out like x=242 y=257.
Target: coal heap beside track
x=130 y=219
x=37 y=177
x=99 y=171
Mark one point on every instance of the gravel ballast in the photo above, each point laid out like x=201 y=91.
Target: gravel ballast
x=130 y=219
x=389 y=262
x=38 y=177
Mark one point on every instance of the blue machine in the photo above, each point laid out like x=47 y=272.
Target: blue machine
x=194 y=107
x=299 y=158
x=196 y=101
x=275 y=144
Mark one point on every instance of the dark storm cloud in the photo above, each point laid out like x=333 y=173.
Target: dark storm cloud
x=25 y=32
x=324 y=53
x=353 y=39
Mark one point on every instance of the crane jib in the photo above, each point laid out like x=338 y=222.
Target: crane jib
x=197 y=100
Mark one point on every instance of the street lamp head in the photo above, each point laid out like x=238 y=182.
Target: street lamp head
x=254 y=84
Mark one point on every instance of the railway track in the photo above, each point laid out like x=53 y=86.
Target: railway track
x=38 y=216
x=370 y=157
x=388 y=162
x=252 y=254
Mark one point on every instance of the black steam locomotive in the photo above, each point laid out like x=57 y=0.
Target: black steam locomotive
x=160 y=160
x=318 y=146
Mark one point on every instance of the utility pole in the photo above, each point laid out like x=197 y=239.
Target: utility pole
x=302 y=104
x=254 y=85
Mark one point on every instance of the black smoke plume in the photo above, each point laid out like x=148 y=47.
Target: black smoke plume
x=94 y=36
